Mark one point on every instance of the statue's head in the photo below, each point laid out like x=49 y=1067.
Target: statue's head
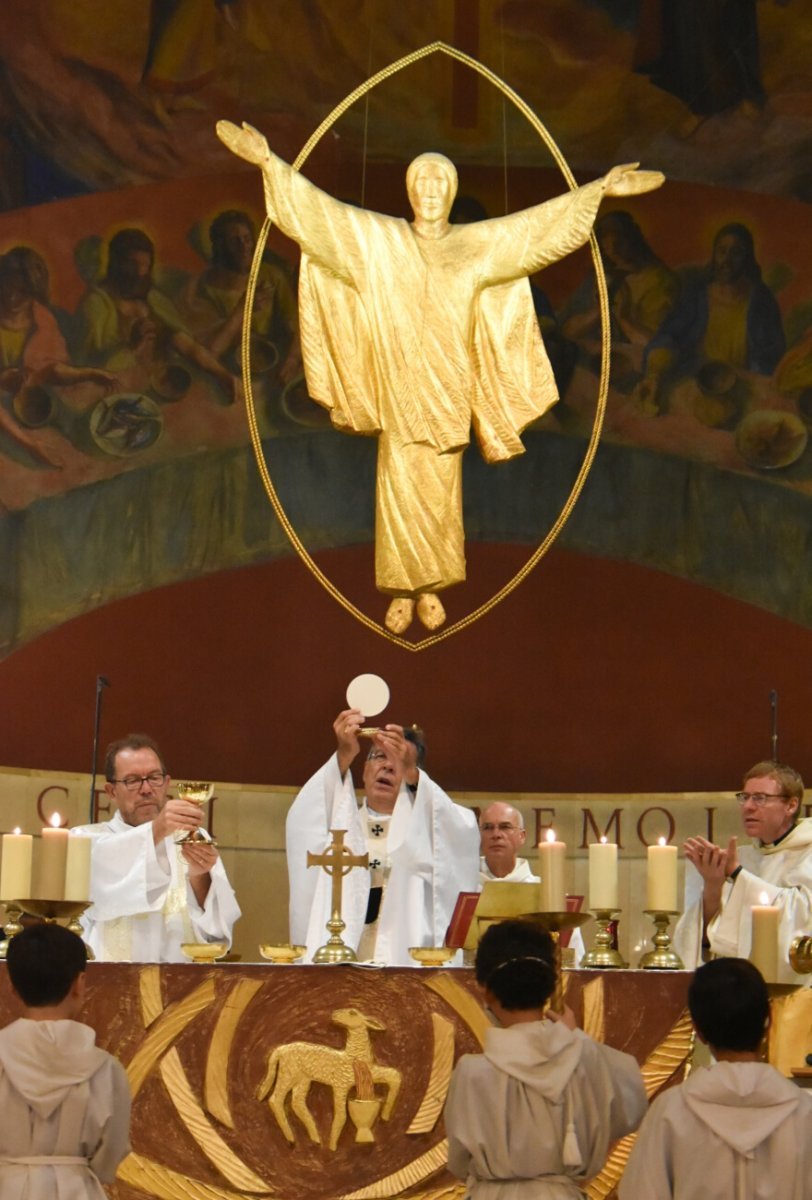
x=431 y=184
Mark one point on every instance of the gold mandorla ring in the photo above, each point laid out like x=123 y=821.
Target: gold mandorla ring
x=603 y=388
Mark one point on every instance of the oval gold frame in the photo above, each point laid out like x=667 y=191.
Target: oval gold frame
x=603 y=387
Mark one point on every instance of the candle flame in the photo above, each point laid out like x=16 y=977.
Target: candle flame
x=17 y=831
x=550 y=835
x=661 y=841
x=55 y=821
x=603 y=839
x=764 y=898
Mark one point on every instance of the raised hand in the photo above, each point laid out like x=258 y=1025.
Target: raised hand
x=244 y=141
x=629 y=180
x=346 y=726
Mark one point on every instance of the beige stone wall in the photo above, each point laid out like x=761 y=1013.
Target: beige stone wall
x=249 y=824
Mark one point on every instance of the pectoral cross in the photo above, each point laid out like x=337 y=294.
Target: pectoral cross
x=337 y=860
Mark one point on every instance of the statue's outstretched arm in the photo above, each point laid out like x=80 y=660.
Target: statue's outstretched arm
x=524 y=242
x=244 y=141
x=629 y=180
x=318 y=222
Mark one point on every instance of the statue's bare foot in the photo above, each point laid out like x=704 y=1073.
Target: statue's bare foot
x=430 y=610
x=399 y=615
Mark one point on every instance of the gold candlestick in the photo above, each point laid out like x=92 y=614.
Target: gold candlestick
x=603 y=954
x=337 y=860
x=11 y=927
x=800 y=954
x=58 y=910
x=662 y=957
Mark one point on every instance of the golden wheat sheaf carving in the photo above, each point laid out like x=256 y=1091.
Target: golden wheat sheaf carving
x=442 y=1064
x=157 y=1051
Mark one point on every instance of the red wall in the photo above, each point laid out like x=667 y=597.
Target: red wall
x=593 y=676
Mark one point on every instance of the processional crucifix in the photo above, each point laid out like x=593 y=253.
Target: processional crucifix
x=337 y=860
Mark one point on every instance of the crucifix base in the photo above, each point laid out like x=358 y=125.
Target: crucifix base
x=334 y=950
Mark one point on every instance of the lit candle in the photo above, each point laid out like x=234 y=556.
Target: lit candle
x=77 y=868
x=603 y=875
x=15 y=869
x=764 y=943
x=662 y=878
x=52 y=859
x=552 y=856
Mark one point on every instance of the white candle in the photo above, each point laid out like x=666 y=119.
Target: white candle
x=662 y=878
x=603 y=875
x=53 y=854
x=552 y=856
x=15 y=869
x=77 y=868
x=764 y=942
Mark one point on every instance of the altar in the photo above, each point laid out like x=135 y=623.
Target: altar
x=298 y=1082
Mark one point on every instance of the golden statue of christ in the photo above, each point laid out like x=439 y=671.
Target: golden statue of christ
x=415 y=332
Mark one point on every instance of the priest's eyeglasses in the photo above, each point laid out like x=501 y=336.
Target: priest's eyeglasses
x=760 y=798
x=134 y=783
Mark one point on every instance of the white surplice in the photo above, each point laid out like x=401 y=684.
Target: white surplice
x=432 y=849
x=533 y=1117
x=143 y=904
x=521 y=873
x=65 y=1107
x=732 y=1131
x=783 y=873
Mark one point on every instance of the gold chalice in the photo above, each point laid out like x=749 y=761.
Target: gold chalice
x=282 y=953
x=204 y=951
x=197 y=793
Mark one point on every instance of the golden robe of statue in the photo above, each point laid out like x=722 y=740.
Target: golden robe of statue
x=412 y=332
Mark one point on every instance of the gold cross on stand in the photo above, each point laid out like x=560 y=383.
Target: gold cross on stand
x=337 y=860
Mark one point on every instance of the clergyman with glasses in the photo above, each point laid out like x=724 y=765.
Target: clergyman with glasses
x=423 y=848
x=149 y=892
x=722 y=884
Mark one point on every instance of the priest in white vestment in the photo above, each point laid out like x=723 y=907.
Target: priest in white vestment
x=423 y=850
x=737 y=1130
x=723 y=884
x=501 y=828
x=150 y=893
x=65 y=1102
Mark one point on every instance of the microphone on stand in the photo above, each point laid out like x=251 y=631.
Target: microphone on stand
x=774 y=723
x=102 y=682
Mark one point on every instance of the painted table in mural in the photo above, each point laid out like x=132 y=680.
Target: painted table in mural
x=251 y=1080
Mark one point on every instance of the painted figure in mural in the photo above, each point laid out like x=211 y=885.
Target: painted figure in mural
x=724 y=882
x=726 y=315
x=411 y=332
x=125 y=316
x=642 y=289
x=704 y=52
x=32 y=348
x=213 y=302
x=33 y=353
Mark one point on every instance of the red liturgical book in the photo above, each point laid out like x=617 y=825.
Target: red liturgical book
x=461 y=919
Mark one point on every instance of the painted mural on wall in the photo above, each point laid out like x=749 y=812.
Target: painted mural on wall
x=124 y=459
